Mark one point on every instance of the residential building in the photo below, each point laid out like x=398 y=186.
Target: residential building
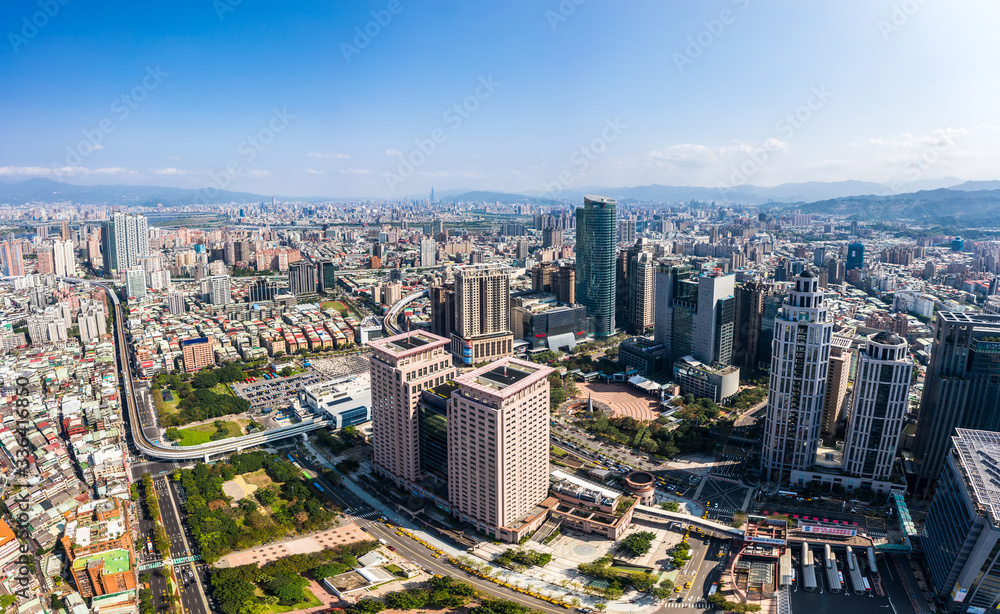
x=197 y=354
x=442 y=299
x=482 y=313
x=175 y=302
x=961 y=533
x=45 y=263
x=961 y=389
x=217 y=290
x=92 y=321
x=64 y=258
x=626 y=231
x=47 y=327
x=640 y=289
x=799 y=364
x=135 y=282
x=12 y=258
x=99 y=548
x=879 y=402
x=557 y=279
x=552 y=237
x=498 y=445
x=838 y=374
x=595 y=261
x=428 y=252
x=125 y=239
x=402 y=366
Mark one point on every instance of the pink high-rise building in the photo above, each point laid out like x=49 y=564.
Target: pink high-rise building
x=46 y=262
x=11 y=258
x=498 y=445
x=401 y=367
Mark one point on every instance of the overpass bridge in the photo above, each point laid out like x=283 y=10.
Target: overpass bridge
x=389 y=322
x=204 y=451
x=714 y=528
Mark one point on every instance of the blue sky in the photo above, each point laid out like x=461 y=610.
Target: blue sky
x=536 y=97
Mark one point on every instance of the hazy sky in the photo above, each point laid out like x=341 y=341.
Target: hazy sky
x=387 y=98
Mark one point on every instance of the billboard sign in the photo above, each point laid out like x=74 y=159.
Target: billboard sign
x=817 y=528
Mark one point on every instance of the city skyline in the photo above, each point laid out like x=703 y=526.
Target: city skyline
x=159 y=96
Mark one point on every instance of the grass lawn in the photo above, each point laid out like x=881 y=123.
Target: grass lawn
x=197 y=435
x=557 y=451
x=165 y=407
x=259 y=479
x=310 y=602
x=221 y=388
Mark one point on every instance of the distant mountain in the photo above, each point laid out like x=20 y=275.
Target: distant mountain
x=976 y=186
x=43 y=190
x=943 y=206
x=751 y=194
x=485 y=196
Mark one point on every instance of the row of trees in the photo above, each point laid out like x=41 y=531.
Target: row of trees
x=513 y=557
x=442 y=592
x=160 y=540
x=637 y=544
x=293 y=506
x=657 y=438
x=618 y=579
x=721 y=603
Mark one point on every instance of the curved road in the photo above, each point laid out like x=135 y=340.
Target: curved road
x=156 y=450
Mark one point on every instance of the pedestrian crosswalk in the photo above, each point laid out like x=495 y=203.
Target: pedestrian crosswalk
x=672 y=604
x=876 y=533
x=361 y=513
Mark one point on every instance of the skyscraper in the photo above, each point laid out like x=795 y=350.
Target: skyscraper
x=401 y=367
x=961 y=388
x=552 y=237
x=63 y=257
x=326 y=274
x=799 y=363
x=125 y=240
x=855 y=256
x=626 y=231
x=498 y=444
x=11 y=258
x=640 y=288
x=704 y=318
x=442 y=299
x=135 y=282
x=302 y=278
x=428 y=252
x=482 y=313
x=750 y=300
x=595 y=261
x=217 y=290
x=668 y=275
x=881 y=391
x=46 y=259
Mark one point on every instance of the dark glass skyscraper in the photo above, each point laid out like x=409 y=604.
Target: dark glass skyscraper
x=595 y=261
x=855 y=256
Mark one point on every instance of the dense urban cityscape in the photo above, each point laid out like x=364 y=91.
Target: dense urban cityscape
x=518 y=308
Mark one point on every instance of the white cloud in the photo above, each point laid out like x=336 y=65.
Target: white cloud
x=169 y=171
x=941 y=136
x=25 y=170
x=338 y=156
x=354 y=171
x=256 y=174
x=393 y=152
x=97 y=147
x=696 y=154
x=313 y=171
x=113 y=170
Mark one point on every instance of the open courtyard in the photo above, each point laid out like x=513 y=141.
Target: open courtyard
x=622 y=399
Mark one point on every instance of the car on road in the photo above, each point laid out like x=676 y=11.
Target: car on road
x=392 y=548
x=677 y=589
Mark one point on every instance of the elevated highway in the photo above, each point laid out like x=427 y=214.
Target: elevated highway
x=152 y=448
x=389 y=322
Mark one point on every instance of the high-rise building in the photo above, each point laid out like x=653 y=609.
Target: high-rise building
x=879 y=400
x=302 y=278
x=45 y=263
x=704 y=319
x=961 y=534
x=92 y=321
x=626 y=231
x=668 y=275
x=217 y=290
x=837 y=376
x=175 y=302
x=559 y=280
x=11 y=258
x=552 y=237
x=401 y=367
x=595 y=261
x=326 y=274
x=135 y=282
x=799 y=363
x=855 y=256
x=428 y=252
x=498 y=444
x=640 y=288
x=482 y=313
x=197 y=354
x=819 y=257
x=522 y=249
x=64 y=259
x=442 y=299
x=98 y=544
x=750 y=299
x=961 y=388
x=263 y=289
x=125 y=240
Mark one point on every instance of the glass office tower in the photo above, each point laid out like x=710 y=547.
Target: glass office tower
x=595 y=261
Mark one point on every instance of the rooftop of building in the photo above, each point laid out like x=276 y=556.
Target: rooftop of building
x=505 y=376
x=115 y=561
x=979 y=456
x=407 y=342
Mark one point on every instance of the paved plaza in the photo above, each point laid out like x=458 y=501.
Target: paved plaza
x=623 y=400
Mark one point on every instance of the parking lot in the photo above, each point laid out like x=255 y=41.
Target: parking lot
x=335 y=367
x=275 y=393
